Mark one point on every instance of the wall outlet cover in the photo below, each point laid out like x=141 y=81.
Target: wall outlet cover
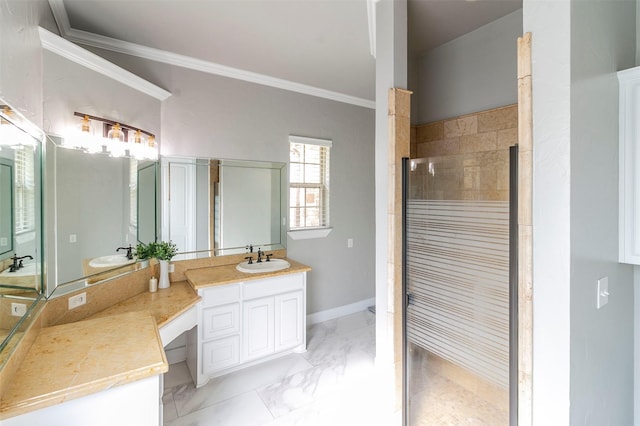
x=18 y=309
x=77 y=300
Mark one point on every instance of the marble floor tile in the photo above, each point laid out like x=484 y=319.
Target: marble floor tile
x=306 y=389
x=189 y=399
x=169 y=411
x=177 y=375
x=245 y=410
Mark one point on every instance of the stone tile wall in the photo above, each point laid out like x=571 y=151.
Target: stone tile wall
x=464 y=158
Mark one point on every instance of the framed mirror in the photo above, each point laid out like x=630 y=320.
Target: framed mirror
x=219 y=207
x=104 y=205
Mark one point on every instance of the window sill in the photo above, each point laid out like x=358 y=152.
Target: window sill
x=307 y=234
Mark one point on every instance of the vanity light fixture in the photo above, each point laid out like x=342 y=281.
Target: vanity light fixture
x=117 y=139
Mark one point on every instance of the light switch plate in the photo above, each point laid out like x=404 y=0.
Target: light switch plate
x=603 y=292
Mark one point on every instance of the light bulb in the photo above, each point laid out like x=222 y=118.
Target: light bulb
x=115 y=141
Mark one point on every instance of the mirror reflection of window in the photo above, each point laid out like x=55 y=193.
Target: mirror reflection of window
x=24 y=191
x=6 y=207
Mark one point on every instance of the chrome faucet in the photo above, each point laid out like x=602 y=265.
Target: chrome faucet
x=260 y=253
x=128 y=249
x=17 y=262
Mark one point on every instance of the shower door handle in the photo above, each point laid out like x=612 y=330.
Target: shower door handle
x=409 y=299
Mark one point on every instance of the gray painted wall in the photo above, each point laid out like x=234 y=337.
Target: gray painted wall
x=582 y=360
x=21 y=55
x=217 y=117
x=471 y=73
x=602 y=42
x=93 y=205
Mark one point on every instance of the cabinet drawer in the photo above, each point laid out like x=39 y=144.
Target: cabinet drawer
x=220 y=354
x=220 y=321
x=272 y=286
x=221 y=295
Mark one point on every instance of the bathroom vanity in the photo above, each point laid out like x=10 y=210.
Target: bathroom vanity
x=245 y=319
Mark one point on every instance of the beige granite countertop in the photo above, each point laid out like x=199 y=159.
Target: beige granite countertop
x=76 y=359
x=165 y=304
x=227 y=274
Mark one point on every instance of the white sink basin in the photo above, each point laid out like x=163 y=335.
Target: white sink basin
x=112 y=260
x=26 y=270
x=264 y=266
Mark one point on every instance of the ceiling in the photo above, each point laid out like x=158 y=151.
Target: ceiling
x=311 y=46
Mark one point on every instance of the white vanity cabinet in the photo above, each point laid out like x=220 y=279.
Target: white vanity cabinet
x=629 y=165
x=246 y=323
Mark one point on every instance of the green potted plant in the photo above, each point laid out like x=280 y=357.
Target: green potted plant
x=144 y=252
x=164 y=252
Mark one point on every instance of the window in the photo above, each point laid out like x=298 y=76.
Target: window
x=25 y=191
x=308 y=183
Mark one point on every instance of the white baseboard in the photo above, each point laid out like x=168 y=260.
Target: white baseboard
x=340 y=311
x=176 y=355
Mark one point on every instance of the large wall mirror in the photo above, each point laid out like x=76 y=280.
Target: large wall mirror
x=20 y=225
x=220 y=207
x=20 y=207
x=103 y=205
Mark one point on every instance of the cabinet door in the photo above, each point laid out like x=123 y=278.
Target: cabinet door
x=220 y=321
x=221 y=353
x=258 y=328
x=289 y=320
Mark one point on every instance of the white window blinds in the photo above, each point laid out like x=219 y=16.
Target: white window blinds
x=25 y=190
x=308 y=182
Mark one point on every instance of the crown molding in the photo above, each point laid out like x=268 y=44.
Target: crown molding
x=163 y=56
x=74 y=53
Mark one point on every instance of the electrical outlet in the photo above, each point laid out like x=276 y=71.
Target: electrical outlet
x=18 y=309
x=77 y=300
x=73 y=238
x=349 y=242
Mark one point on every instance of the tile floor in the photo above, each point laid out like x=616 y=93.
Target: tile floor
x=333 y=383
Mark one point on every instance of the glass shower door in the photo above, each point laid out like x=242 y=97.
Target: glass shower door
x=457 y=283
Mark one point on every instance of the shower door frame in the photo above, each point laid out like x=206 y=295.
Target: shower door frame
x=513 y=289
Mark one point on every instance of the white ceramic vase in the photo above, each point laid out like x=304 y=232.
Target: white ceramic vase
x=163 y=282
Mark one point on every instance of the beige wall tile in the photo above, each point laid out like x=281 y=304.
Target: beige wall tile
x=486 y=141
x=443 y=147
x=498 y=119
x=430 y=132
x=525 y=186
x=524 y=55
x=414 y=144
x=507 y=138
x=456 y=127
x=525 y=117
x=400 y=102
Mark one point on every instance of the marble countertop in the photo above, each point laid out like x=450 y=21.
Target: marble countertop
x=165 y=304
x=77 y=359
x=97 y=353
x=226 y=274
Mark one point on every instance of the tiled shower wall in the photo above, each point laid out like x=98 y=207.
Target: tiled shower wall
x=469 y=154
